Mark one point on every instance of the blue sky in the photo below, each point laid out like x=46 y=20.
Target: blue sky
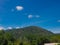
x=21 y=13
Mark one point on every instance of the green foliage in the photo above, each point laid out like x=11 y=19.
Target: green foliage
x=28 y=36
x=58 y=44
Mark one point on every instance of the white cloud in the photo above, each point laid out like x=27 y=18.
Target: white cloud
x=1 y=28
x=19 y=8
x=30 y=16
x=58 y=20
x=9 y=28
x=17 y=27
x=55 y=29
x=33 y=16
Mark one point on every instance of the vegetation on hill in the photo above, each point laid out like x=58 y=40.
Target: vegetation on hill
x=31 y=30
x=28 y=36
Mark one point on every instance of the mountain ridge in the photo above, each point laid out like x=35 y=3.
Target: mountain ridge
x=30 y=30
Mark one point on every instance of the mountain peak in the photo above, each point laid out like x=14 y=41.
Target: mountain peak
x=34 y=30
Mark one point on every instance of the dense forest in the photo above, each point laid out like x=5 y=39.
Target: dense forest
x=31 y=35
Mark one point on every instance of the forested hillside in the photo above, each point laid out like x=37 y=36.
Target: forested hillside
x=31 y=35
x=31 y=30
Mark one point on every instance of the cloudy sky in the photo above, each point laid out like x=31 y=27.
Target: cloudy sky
x=21 y=13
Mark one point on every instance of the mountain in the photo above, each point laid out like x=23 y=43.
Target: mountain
x=30 y=30
x=31 y=35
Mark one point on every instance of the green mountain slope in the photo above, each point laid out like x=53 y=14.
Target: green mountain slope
x=31 y=30
x=31 y=35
